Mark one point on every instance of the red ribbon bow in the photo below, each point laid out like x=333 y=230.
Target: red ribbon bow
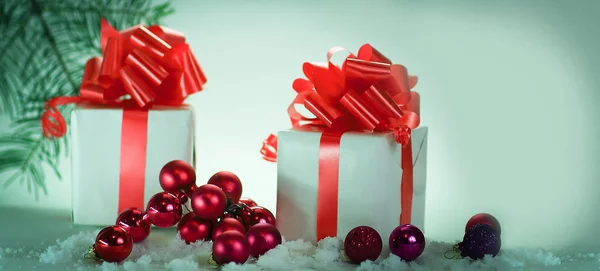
x=153 y=65
x=367 y=93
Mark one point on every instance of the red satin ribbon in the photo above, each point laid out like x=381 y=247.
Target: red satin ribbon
x=367 y=93
x=327 y=194
x=406 y=188
x=134 y=130
x=153 y=66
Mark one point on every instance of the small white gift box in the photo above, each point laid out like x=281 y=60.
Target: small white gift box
x=117 y=155
x=369 y=184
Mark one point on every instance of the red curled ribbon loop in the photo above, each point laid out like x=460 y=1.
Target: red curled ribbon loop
x=152 y=65
x=269 y=148
x=366 y=93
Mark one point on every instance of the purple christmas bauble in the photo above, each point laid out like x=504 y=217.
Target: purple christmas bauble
x=480 y=240
x=407 y=242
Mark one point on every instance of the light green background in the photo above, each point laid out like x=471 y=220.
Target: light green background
x=510 y=91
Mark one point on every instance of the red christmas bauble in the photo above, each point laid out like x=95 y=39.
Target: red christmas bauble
x=229 y=182
x=363 y=243
x=241 y=212
x=227 y=224
x=209 y=202
x=262 y=215
x=132 y=220
x=192 y=228
x=113 y=244
x=248 y=201
x=176 y=176
x=263 y=237
x=164 y=210
x=231 y=246
x=483 y=218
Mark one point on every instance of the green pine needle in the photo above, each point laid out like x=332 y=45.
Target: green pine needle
x=43 y=49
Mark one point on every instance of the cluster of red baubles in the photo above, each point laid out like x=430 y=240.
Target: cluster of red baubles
x=237 y=227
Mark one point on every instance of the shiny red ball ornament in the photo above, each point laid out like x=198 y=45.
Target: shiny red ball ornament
x=229 y=182
x=231 y=246
x=263 y=237
x=483 y=218
x=132 y=220
x=176 y=176
x=227 y=224
x=262 y=215
x=209 y=202
x=192 y=228
x=248 y=201
x=241 y=212
x=363 y=243
x=113 y=244
x=164 y=210
x=407 y=242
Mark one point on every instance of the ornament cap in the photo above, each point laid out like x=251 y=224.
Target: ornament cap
x=92 y=255
x=212 y=261
x=453 y=253
x=234 y=206
x=344 y=257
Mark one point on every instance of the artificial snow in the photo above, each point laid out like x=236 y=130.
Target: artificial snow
x=171 y=253
x=174 y=254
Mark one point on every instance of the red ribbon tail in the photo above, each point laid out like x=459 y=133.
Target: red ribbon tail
x=53 y=122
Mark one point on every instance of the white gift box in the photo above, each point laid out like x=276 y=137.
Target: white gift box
x=96 y=154
x=369 y=182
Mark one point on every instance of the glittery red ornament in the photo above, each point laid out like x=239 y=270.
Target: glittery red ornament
x=209 y=202
x=480 y=240
x=229 y=182
x=132 y=220
x=242 y=213
x=263 y=237
x=164 y=210
x=262 y=215
x=192 y=228
x=248 y=201
x=231 y=246
x=176 y=176
x=483 y=218
x=113 y=244
x=363 y=243
x=227 y=224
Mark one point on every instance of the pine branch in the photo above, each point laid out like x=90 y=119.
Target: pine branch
x=48 y=44
x=61 y=60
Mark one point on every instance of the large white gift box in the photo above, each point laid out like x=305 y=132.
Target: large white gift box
x=369 y=182
x=97 y=154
